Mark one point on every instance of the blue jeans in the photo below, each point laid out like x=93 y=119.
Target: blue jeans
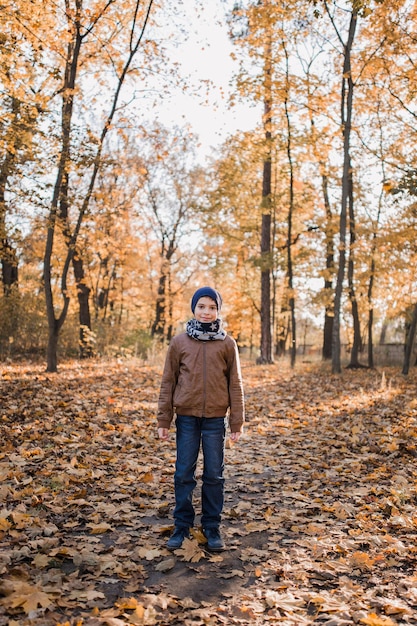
x=210 y=433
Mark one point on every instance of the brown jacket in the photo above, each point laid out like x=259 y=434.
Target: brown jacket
x=203 y=379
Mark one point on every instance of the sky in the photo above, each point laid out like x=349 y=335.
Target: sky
x=205 y=56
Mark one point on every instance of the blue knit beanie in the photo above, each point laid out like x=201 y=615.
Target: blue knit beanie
x=210 y=293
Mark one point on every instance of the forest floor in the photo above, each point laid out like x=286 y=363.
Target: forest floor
x=320 y=517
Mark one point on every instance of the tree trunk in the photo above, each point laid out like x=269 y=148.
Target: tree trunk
x=86 y=346
x=83 y=291
x=290 y=270
x=170 y=328
x=9 y=266
x=328 y=280
x=266 y=340
x=52 y=349
x=411 y=335
x=370 y=338
x=83 y=294
x=159 y=324
x=383 y=334
x=329 y=246
x=357 y=339
x=84 y=315
x=266 y=251
x=59 y=204
x=346 y=119
x=8 y=256
x=372 y=269
x=371 y=308
x=282 y=330
x=102 y=288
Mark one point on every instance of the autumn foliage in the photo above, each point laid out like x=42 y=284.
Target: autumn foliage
x=111 y=215
x=320 y=517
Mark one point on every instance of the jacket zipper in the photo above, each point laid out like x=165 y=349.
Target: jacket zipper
x=204 y=378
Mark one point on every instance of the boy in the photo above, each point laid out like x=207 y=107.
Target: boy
x=202 y=385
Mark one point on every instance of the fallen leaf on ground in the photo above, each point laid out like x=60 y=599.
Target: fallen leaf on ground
x=190 y=551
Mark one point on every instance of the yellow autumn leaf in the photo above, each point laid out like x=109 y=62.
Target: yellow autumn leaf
x=391 y=607
x=285 y=601
x=190 y=551
x=28 y=597
x=87 y=594
x=149 y=553
x=127 y=603
x=376 y=620
x=98 y=529
x=21 y=520
x=339 y=510
x=253 y=527
x=147 y=478
x=41 y=560
x=4 y=524
x=314 y=529
x=329 y=604
x=362 y=561
x=198 y=535
x=139 y=612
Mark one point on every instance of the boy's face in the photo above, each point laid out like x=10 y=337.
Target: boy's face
x=206 y=310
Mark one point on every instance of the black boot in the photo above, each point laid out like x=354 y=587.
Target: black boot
x=177 y=538
x=215 y=542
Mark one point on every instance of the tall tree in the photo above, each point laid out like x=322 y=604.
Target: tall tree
x=265 y=355
x=81 y=24
x=357 y=339
x=261 y=40
x=395 y=65
x=375 y=225
x=347 y=88
x=291 y=209
x=252 y=29
x=319 y=99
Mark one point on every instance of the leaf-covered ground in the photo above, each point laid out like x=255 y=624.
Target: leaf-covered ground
x=320 y=517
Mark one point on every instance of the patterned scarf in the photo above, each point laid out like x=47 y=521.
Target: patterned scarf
x=205 y=332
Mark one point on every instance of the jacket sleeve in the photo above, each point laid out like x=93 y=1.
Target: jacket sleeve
x=236 y=394
x=168 y=383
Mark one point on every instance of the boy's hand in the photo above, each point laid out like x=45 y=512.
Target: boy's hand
x=163 y=433
x=235 y=436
